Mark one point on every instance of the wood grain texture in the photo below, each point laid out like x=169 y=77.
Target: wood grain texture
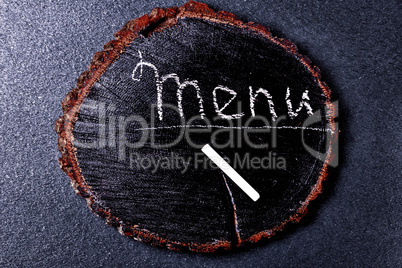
x=198 y=210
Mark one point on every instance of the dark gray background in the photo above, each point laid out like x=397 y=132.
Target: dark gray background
x=45 y=45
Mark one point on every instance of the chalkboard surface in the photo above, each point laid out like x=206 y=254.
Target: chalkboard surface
x=172 y=82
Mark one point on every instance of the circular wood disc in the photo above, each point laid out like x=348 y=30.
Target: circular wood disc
x=133 y=131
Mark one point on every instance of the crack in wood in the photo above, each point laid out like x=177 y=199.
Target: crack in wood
x=237 y=242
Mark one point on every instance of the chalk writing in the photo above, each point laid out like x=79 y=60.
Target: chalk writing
x=159 y=83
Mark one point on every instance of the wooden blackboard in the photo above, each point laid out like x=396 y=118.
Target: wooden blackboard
x=170 y=83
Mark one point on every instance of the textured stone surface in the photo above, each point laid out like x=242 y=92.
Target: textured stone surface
x=46 y=45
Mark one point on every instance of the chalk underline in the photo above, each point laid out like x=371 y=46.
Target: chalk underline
x=233 y=127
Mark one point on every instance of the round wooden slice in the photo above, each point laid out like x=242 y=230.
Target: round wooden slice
x=139 y=131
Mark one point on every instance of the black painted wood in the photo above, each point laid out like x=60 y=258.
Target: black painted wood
x=200 y=204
